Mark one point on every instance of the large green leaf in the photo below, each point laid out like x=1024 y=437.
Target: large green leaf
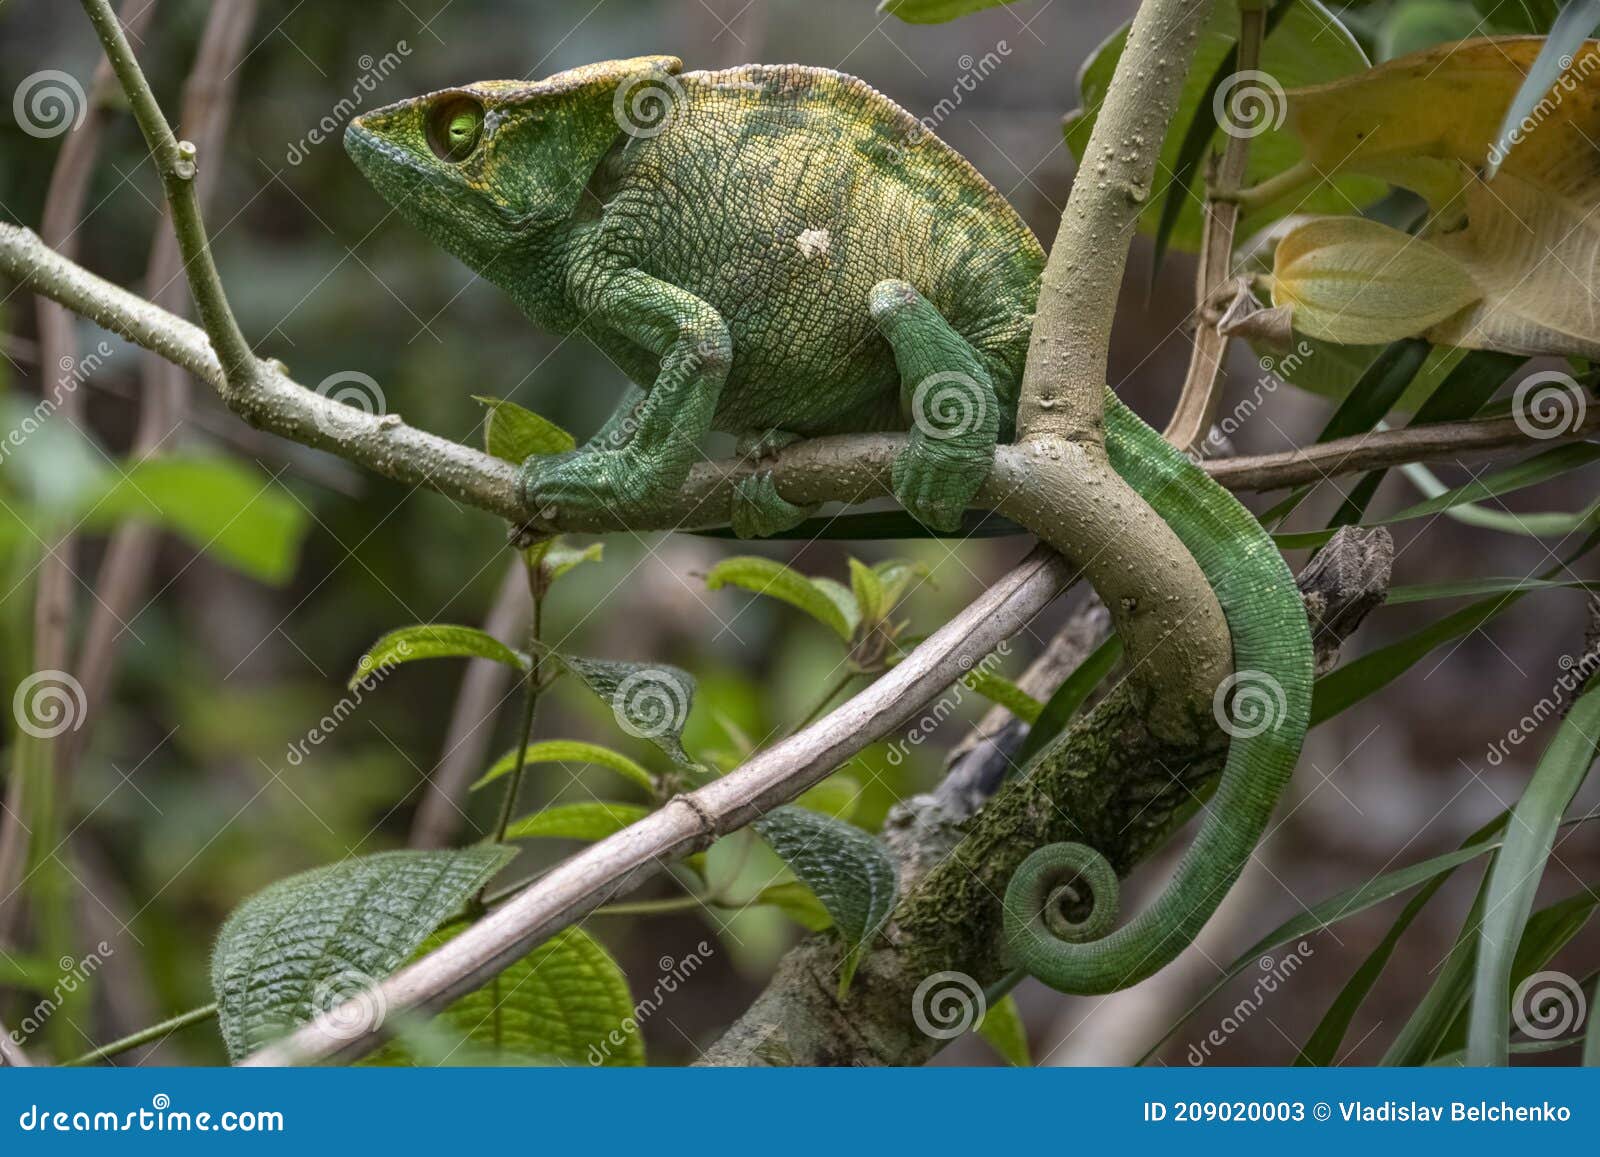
x=648 y=700
x=565 y=1003
x=1002 y=1027
x=763 y=576
x=1517 y=872
x=434 y=641
x=935 y=11
x=1308 y=46
x=227 y=509
x=848 y=870
x=568 y=751
x=313 y=941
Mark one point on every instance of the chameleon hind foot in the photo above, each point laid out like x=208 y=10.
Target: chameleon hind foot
x=758 y=509
x=949 y=400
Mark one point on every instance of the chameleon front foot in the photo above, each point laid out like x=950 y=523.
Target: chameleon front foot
x=588 y=485
x=759 y=510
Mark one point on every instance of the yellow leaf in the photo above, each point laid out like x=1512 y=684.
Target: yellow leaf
x=1529 y=236
x=1357 y=282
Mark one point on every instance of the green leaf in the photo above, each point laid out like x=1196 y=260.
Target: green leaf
x=577 y=821
x=868 y=590
x=897 y=575
x=1307 y=46
x=998 y=689
x=1428 y=592
x=1002 y=1027
x=1470 y=384
x=225 y=508
x=434 y=641
x=797 y=902
x=763 y=576
x=514 y=434
x=565 y=1003
x=1540 y=468
x=1572 y=27
x=847 y=869
x=935 y=11
x=1518 y=16
x=1068 y=698
x=842 y=597
x=561 y=558
x=1420 y=1038
x=569 y=751
x=648 y=700
x=312 y=941
x=1517 y=871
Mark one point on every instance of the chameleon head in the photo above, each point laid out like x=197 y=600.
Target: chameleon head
x=497 y=166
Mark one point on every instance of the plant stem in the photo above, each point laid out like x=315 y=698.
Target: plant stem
x=1302 y=172
x=144 y=1036
x=530 y=702
x=833 y=693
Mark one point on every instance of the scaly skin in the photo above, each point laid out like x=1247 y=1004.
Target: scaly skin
x=779 y=251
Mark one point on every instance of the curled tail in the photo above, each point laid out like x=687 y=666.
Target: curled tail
x=1266 y=718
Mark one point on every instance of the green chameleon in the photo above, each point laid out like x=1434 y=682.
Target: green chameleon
x=779 y=252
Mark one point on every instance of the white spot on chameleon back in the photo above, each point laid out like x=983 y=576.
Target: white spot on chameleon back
x=814 y=243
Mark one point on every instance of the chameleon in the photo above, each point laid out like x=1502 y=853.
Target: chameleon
x=781 y=251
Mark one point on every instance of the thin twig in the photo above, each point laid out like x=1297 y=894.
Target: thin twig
x=124 y=573
x=1197 y=402
x=144 y=1036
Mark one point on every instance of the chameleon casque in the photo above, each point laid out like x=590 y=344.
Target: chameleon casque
x=782 y=251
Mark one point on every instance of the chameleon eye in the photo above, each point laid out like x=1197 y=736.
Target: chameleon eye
x=454 y=127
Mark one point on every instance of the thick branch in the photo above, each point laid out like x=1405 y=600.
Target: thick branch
x=1061 y=389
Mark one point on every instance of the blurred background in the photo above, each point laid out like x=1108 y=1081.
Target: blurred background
x=186 y=799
